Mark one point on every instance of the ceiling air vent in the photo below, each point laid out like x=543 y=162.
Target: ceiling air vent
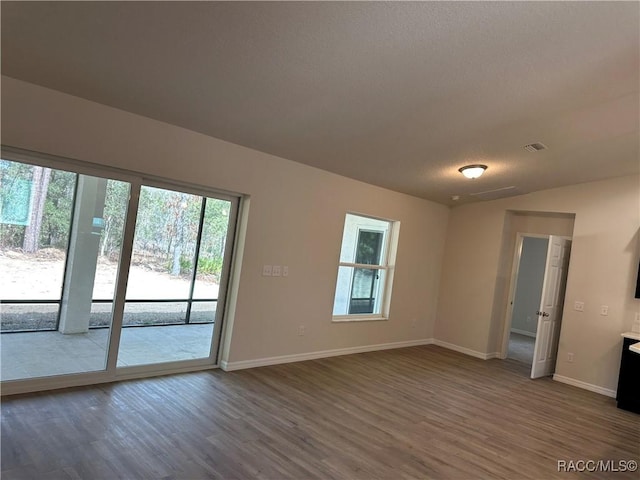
x=535 y=147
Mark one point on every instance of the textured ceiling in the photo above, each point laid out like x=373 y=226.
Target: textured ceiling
x=394 y=94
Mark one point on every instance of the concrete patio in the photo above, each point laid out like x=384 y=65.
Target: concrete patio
x=42 y=354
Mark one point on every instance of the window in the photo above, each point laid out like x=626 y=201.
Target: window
x=365 y=269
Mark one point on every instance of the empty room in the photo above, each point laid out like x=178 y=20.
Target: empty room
x=320 y=240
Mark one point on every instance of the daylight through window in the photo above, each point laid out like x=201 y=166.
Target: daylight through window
x=364 y=272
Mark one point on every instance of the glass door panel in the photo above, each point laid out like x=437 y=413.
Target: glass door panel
x=59 y=242
x=176 y=267
x=211 y=254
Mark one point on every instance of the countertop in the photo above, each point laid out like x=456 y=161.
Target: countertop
x=632 y=335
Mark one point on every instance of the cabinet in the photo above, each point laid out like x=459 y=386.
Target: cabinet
x=628 y=395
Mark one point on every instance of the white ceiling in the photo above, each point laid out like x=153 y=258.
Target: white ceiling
x=394 y=94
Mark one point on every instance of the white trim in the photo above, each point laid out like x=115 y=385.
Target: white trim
x=370 y=266
x=300 y=357
x=466 y=351
x=523 y=332
x=356 y=317
x=584 y=385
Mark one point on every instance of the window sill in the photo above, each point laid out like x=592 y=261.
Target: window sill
x=357 y=318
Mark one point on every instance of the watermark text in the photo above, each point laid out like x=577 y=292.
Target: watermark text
x=586 y=465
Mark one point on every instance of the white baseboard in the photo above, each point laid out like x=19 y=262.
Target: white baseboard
x=523 y=332
x=300 y=357
x=584 y=385
x=466 y=351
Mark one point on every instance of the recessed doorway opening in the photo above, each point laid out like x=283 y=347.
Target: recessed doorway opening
x=536 y=300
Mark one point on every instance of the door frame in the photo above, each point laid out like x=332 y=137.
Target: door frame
x=515 y=270
x=125 y=262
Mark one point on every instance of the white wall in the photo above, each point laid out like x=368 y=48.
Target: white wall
x=296 y=218
x=603 y=262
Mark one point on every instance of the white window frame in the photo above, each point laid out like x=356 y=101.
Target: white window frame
x=386 y=265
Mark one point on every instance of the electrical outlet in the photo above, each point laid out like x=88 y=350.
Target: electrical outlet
x=266 y=270
x=275 y=271
x=570 y=357
x=578 y=306
x=301 y=330
x=285 y=271
x=604 y=310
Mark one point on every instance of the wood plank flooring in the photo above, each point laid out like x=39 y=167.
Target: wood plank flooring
x=420 y=412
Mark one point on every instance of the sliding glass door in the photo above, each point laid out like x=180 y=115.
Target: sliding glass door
x=108 y=274
x=174 y=278
x=60 y=243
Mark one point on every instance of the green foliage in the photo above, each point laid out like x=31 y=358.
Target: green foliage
x=57 y=209
x=11 y=236
x=210 y=266
x=166 y=228
x=56 y=218
x=185 y=264
x=115 y=210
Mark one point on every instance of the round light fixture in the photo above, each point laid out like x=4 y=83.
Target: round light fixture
x=472 y=171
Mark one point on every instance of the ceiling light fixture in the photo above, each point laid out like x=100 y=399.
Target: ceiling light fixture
x=472 y=171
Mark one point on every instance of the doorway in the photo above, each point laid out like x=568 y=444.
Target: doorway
x=526 y=300
x=536 y=299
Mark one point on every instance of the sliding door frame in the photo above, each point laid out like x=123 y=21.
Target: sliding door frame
x=112 y=372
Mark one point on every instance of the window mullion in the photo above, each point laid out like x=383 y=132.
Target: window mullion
x=364 y=265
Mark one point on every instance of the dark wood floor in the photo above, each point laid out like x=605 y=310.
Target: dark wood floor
x=422 y=412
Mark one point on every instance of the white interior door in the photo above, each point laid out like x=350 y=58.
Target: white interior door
x=551 y=303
